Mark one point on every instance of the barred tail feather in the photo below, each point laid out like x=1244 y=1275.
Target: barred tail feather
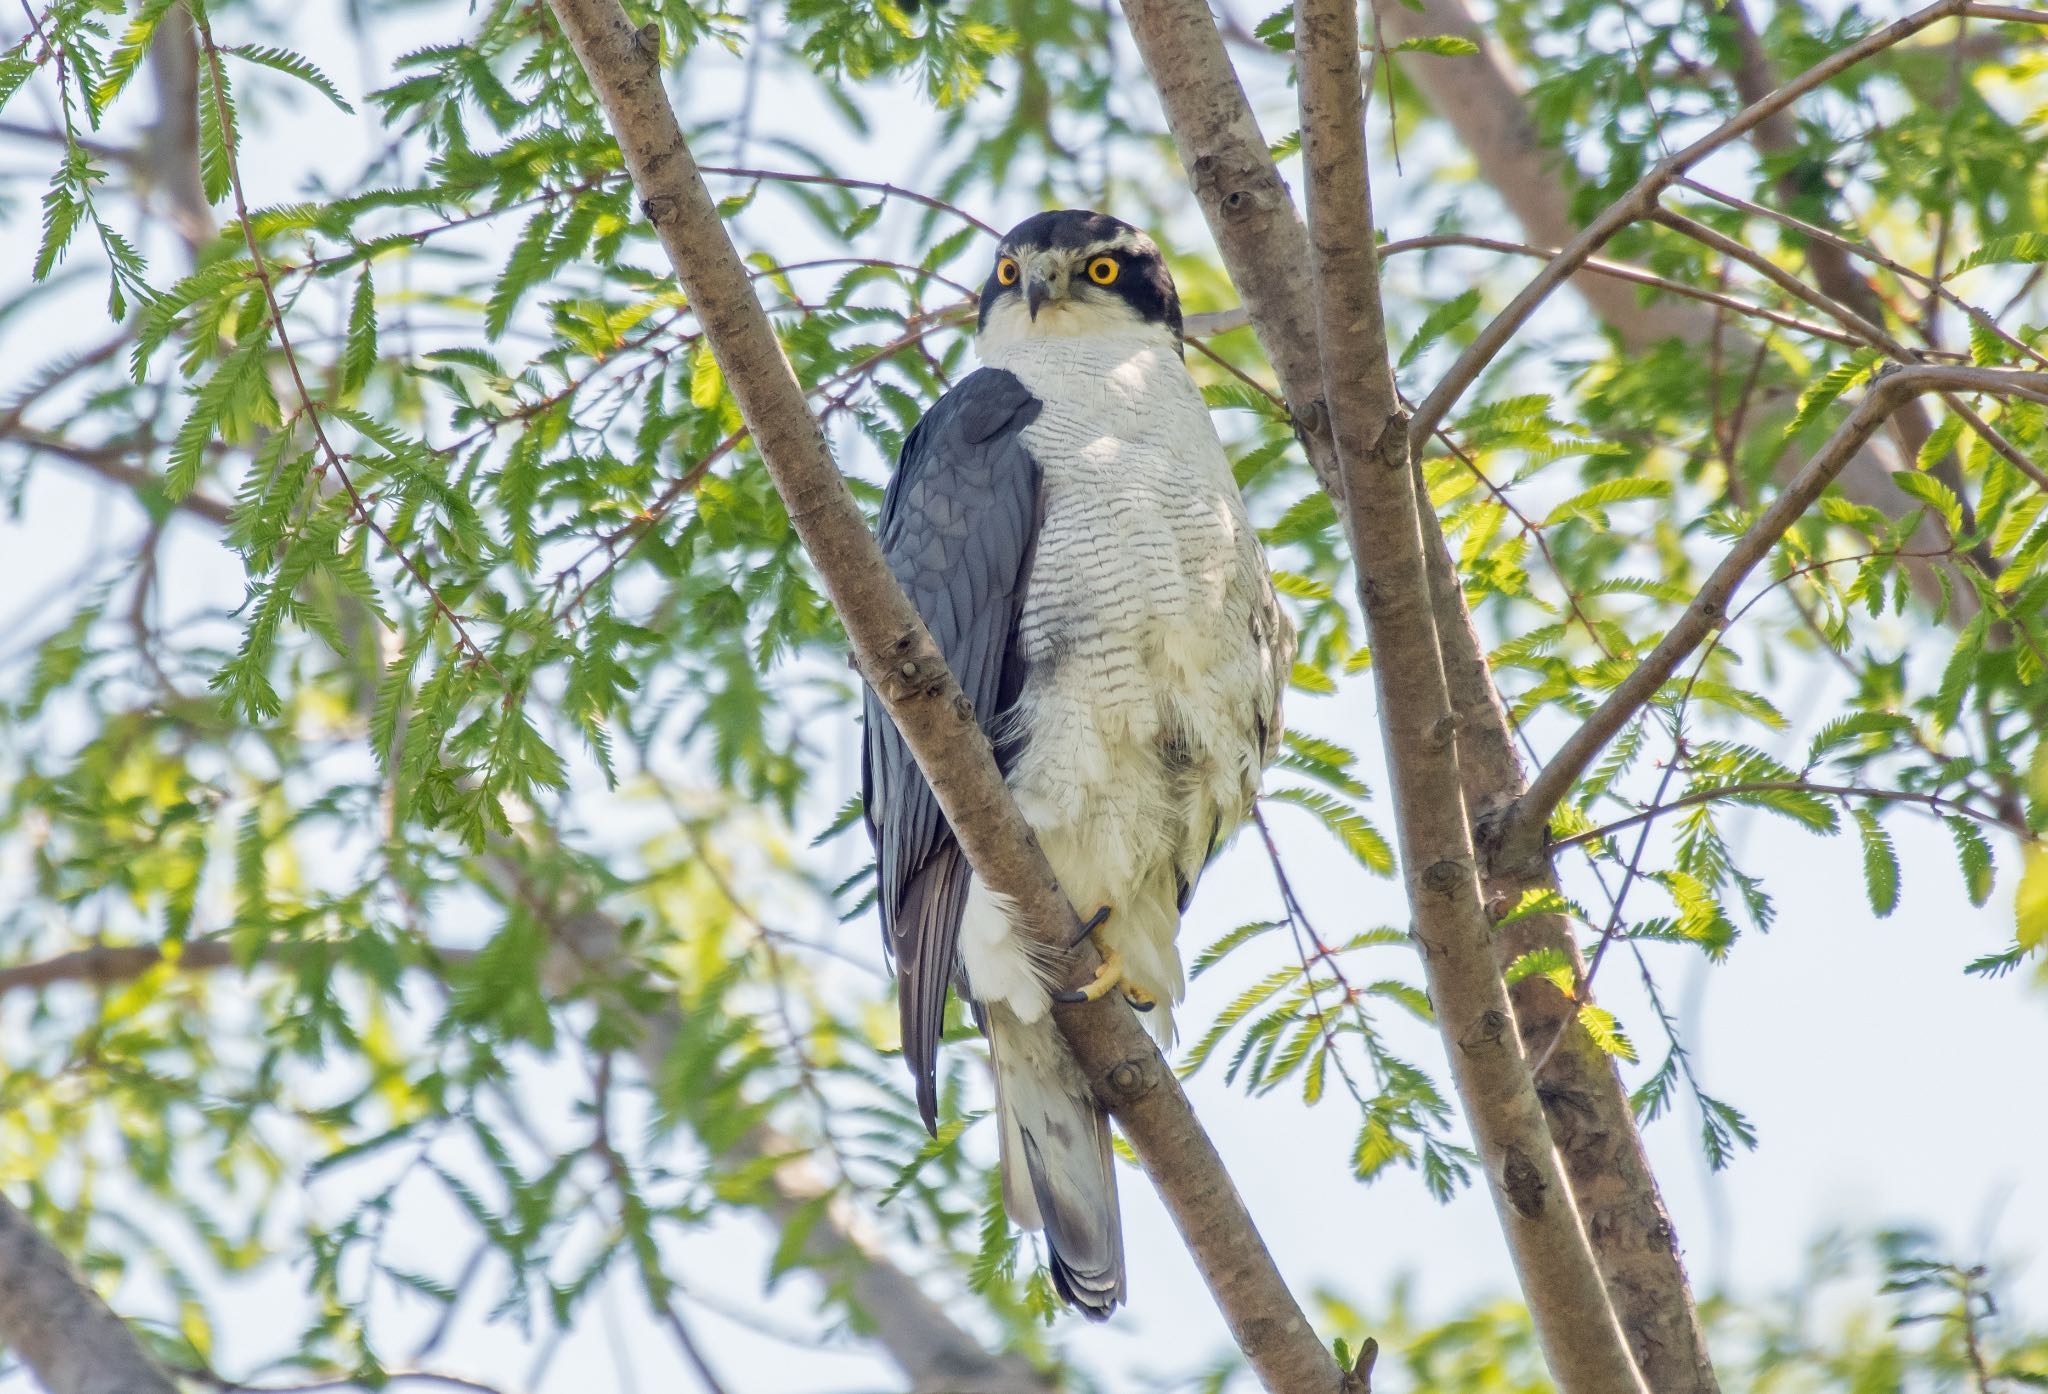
x=1058 y=1172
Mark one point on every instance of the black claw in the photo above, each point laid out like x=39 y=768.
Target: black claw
x=1138 y=1006
x=1095 y=922
x=1068 y=999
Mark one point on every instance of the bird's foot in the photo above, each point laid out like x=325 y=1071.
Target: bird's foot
x=1109 y=976
x=1105 y=980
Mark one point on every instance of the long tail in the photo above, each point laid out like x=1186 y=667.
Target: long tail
x=1057 y=1168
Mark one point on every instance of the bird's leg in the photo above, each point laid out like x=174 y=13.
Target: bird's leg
x=1109 y=975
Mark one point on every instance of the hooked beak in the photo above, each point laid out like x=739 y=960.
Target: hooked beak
x=1046 y=279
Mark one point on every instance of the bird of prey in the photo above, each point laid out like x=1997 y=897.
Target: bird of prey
x=1067 y=524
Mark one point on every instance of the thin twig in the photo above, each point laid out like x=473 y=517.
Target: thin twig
x=312 y=412
x=1641 y=200
x=1750 y=788
x=1709 y=607
x=776 y=176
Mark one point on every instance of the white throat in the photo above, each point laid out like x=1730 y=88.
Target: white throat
x=1081 y=317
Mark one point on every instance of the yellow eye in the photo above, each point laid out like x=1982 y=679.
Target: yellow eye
x=1103 y=271
x=1006 y=271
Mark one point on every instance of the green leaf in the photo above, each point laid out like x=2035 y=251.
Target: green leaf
x=1440 y=321
x=63 y=208
x=1839 y=379
x=1310 y=679
x=129 y=53
x=1606 y=1032
x=937 y=1145
x=1844 y=729
x=219 y=136
x=707 y=383
x=1236 y=938
x=865 y=219
x=238 y=388
x=2030 y=903
x=1539 y=961
x=359 y=353
x=523 y=270
x=1590 y=503
x=1376 y=1148
x=293 y=65
x=1973 y=855
x=1880 y=863
x=2021 y=247
x=1448 y=45
x=1359 y=837
x=1932 y=491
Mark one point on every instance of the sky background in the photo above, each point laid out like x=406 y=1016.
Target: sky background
x=1886 y=1087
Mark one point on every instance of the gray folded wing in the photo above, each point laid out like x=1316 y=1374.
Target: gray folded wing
x=957 y=527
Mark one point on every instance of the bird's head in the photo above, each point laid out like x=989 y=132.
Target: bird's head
x=1074 y=272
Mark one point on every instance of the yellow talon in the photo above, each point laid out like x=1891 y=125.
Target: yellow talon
x=1106 y=978
x=1109 y=976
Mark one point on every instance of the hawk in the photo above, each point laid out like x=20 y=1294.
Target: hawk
x=1067 y=524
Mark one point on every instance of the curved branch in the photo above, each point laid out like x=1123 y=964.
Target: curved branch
x=903 y=665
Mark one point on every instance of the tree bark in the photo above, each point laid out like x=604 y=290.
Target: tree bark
x=900 y=661
x=1560 y=1280
x=1586 y=1106
x=59 y=1326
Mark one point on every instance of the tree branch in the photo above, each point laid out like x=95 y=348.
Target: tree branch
x=59 y=1326
x=1249 y=211
x=900 y=661
x=1265 y=248
x=1751 y=788
x=110 y=463
x=1640 y=200
x=103 y=966
x=1560 y=1280
x=1526 y=825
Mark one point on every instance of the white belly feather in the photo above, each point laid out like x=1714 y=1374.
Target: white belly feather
x=1157 y=657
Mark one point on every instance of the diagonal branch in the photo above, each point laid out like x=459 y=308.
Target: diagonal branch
x=58 y=1325
x=900 y=661
x=1525 y=826
x=1265 y=248
x=1560 y=1280
x=1641 y=200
